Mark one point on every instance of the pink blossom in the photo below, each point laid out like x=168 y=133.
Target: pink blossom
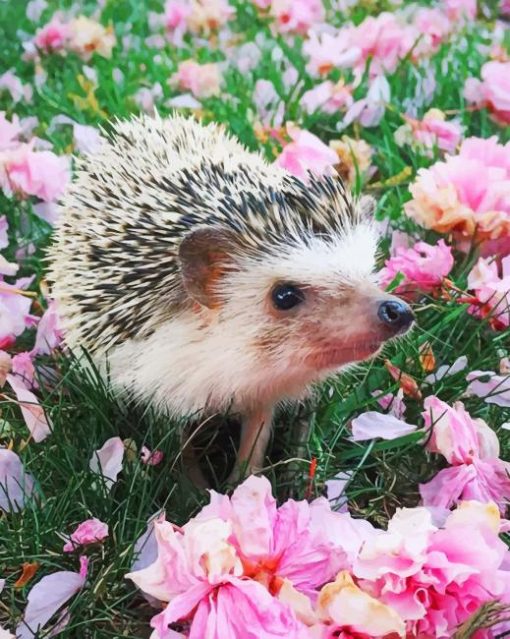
x=434 y=131
x=369 y=111
x=53 y=36
x=151 y=458
x=473 y=450
x=47 y=597
x=328 y=51
x=90 y=531
x=16 y=485
x=433 y=23
x=176 y=15
x=495 y=390
x=10 y=82
x=35 y=419
x=492 y=91
x=490 y=283
x=49 y=332
x=468 y=194
x=423 y=266
x=88 y=36
x=435 y=578
x=460 y=9
x=39 y=173
x=203 y=80
x=198 y=573
x=296 y=16
x=306 y=153
x=209 y=15
x=327 y=97
x=9 y=131
x=23 y=366
x=14 y=312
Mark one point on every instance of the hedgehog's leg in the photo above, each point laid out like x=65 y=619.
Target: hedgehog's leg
x=255 y=435
x=191 y=461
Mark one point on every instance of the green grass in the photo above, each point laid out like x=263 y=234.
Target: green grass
x=83 y=412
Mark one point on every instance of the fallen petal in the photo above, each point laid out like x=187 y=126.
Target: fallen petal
x=372 y=424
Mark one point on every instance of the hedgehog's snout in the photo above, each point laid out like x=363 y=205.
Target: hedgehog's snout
x=395 y=315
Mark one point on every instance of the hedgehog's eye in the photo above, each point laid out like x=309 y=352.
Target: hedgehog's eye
x=286 y=296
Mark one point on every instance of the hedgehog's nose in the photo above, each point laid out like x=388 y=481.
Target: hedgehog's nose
x=396 y=314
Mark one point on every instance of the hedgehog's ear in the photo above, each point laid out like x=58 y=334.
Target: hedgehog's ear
x=205 y=255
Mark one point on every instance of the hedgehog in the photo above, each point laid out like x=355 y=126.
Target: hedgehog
x=204 y=280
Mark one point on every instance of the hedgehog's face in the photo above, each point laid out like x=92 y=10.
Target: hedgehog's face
x=303 y=310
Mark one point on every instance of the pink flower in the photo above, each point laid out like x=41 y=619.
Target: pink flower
x=176 y=15
x=203 y=80
x=198 y=573
x=9 y=131
x=327 y=97
x=23 y=366
x=53 y=36
x=346 y=611
x=107 y=461
x=306 y=153
x=473 y=450
x=207 y=16
x=493 y=91
x=433 y=24
x=90 y=531
x=435 y=578
x=460 y=9
x=468 y=194
x=14 y=312
x=394 y=404
x=49 y=332
x=87 y=36
x=326 y=52
x=433 y=131
x=297 y=16
x=151 y=458
x=423 y=266
x=369 y=111
x=10 y=82
x=39 y=173
x=490 y=283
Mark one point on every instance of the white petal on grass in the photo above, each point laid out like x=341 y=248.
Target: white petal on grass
x=15 y=484
x=446 y=370
x=45 y=599
x=494 y=390
x=372 y=424
x=107 y=461
x=335 y=489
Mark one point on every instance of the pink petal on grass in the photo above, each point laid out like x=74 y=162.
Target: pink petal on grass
x=15 y=483
x=107 y=461
x=495 y=389
x=47 y=597
x=89 y=531
x=33 y=413
x=371 y=424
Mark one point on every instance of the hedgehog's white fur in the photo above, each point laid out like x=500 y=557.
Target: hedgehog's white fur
x=122 y=292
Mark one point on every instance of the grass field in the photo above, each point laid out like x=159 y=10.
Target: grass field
x=383 y=474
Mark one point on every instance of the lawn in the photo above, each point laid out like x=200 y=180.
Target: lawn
x=401 y=87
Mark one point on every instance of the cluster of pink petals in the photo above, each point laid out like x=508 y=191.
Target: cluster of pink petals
x=81 y=35
x=306 y=153
x=490 y=283
x=203 y=80
x=492 y=91
x=90 y=531
x=198 y=16
x=460 y=9
x=472 y=450
x=423 y=266
x=244 y=567
x=468 y=193
x=430 y=132
x=327 y=97
x=296 y=16
x=27 y=172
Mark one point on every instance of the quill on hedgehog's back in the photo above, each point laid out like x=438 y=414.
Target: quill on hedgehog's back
x=210 y=280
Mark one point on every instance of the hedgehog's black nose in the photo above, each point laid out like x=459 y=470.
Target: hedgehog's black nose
x=396 y=315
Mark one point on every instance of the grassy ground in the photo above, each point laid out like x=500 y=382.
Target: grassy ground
x=84 y=415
